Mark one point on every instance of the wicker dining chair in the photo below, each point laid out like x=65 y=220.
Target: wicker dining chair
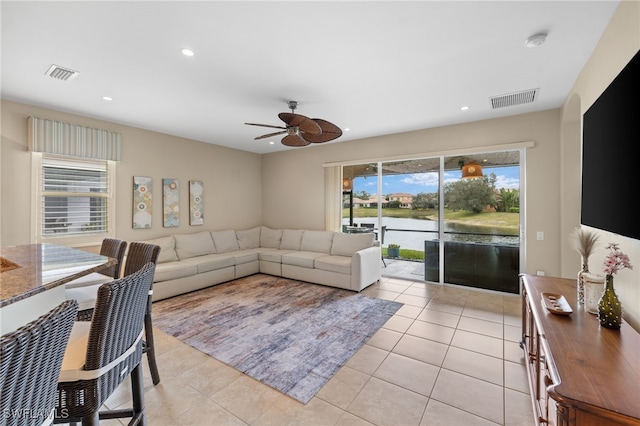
x=84 y=289
x=102 y=353
x=139 y=254
x=30 y=361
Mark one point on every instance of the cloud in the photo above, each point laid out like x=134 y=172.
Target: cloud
x=422 y=179
x=507 y=182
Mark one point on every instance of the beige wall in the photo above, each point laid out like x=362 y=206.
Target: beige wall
x=232 y=196
x=619 y=43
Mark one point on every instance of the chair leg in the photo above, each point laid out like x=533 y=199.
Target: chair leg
x=91 y=420
x=137 y=390
x=385 y=263
x=149 y=348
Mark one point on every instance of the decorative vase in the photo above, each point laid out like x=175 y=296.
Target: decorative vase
x=593 y=289
x=580 y=288
x=609 y=308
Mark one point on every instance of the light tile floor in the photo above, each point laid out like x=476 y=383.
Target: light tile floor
x=449 y=356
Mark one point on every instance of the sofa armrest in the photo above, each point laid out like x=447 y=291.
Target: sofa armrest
x=365 y=267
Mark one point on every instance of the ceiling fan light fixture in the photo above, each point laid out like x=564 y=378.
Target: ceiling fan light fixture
x=471 y=170
x=301 y=130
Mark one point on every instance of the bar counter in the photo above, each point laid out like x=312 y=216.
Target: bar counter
x=32 y=278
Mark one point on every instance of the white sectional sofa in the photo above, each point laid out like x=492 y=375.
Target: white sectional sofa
x=197 y=260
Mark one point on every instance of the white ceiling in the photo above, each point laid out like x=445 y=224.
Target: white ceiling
x=375 y=67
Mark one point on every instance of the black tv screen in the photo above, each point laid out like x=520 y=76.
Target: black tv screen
x=610 y=165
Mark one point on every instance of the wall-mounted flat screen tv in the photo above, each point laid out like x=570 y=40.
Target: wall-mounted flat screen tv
x=610 y=165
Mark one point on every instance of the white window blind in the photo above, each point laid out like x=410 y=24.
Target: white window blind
x=74 y=197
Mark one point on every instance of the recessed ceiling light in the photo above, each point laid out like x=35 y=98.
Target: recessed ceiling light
x=187 y=52
x=346 y=129
x=271 y=142
x=536 y=40
x=107 y=98
x=464 y=108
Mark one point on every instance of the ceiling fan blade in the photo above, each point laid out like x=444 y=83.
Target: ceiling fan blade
x=294 y=140
x=269 y=135
x=329 y=132
x=265 y=125
x=305 y=124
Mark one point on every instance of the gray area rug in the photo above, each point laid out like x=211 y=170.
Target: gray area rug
x=290 y=335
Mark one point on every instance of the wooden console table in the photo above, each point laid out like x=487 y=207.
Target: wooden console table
x=579 y=373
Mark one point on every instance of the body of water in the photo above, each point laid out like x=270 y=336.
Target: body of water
x=412 y=233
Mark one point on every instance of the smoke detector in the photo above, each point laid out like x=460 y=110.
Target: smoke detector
x=61 y=73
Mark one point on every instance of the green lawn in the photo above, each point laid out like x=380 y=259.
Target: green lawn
x=490 y=219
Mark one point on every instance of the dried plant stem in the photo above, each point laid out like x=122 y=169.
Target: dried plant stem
x=584 y=242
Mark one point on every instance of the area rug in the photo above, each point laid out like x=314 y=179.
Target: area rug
x=291 y=335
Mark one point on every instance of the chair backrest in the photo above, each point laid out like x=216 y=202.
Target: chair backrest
x=368 y=225
x=30 y=361
x=140 y=254
x=117 y=322
x=113 y=248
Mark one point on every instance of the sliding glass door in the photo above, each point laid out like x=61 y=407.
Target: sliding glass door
x=470 y=239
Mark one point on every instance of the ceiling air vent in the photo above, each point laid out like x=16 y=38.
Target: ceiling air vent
x=512 y=99
x=61 y=73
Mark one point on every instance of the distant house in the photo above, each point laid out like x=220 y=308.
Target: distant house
x=373 y=201
x=359 y=203
x=405 y=200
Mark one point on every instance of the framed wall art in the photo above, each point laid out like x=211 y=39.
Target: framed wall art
x=142 y=202
x=196 y=206
x=171 y=203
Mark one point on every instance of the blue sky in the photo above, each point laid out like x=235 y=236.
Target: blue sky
x=506 y=177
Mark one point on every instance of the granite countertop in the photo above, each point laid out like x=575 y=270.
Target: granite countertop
x=34 y=268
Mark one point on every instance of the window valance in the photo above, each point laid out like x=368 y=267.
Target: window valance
x=57 y=137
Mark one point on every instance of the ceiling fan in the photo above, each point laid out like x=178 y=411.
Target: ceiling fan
x=301 y=130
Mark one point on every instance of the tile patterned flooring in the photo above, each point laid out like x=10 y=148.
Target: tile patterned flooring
x=449 y=356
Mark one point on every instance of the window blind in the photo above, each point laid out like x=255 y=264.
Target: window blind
x=75 y=197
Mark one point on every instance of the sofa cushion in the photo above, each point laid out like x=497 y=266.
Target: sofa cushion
x=225 y=241
x=167 y=248
x=248 y=238
x=341 y=264
x=270 y=238
x=173 y=270
x=301 y=258
x=245 y=256
x=272 y=255
x=318 y=241
x=347 y=244
x=291 y=239
x=197 y=244
x=211 y=262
